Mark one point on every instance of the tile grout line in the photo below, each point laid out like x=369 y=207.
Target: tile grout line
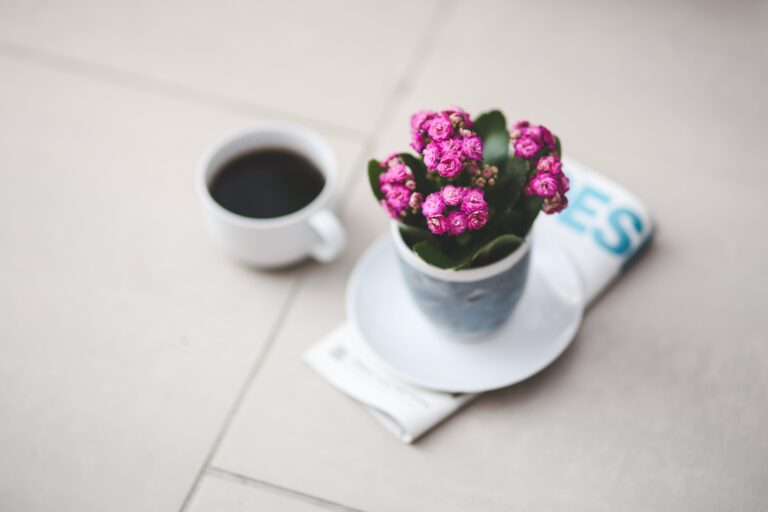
x=399 y=90
x=201 y=97
x=165 y=88
x=244 y=387
x=231 y=476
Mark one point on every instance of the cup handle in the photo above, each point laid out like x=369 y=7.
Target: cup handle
x=333 y=238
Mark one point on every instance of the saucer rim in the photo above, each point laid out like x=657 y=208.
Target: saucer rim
x=353 y=284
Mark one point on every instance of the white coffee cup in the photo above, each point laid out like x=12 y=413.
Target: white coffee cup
x=278 y=241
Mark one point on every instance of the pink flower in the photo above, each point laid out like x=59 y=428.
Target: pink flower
x=548 y=139
x=533 y=131
x=390 y=211
x=440 y=128
x=538 y=133
x=519 y=125
x=543 y=185
x=541 y=135
x=396 y=174
x=549 y=183
x=433 y=205
x=452 y=195
x=451 y=147
x=418 y=119
x=457 y=223
x=417 y=141
x=398 y=197
x=526 y=147
x=555 y=204
x=449 y=166
x=549 y=164
x=458 y=115
x=474 y=201
x=432 y=155
x=437 y=224
x=390 y=158
x=477 y=220
x=415 y=201
x=472 y=147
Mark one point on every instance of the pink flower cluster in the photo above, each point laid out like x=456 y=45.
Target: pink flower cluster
x=397 y=185
x=528 y=139
x=445 y=141
x=455 y=210
x=549 y=183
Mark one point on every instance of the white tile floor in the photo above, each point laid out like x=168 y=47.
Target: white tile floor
x=223 y=491
x=141 y=370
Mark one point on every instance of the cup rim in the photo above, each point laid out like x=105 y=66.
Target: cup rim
x=224 y=143
x=457 y=276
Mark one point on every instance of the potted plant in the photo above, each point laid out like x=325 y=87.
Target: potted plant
x=462 y=209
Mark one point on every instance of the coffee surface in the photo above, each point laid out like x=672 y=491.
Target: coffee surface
x=267 y=183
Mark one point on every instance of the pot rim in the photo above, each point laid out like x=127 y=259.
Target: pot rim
x=457 y=276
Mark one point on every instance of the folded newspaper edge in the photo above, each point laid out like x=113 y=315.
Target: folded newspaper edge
x=602 y=231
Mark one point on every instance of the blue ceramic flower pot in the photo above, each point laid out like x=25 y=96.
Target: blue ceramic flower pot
x=465 y=303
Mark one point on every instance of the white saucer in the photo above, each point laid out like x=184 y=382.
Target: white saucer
x=395 y=332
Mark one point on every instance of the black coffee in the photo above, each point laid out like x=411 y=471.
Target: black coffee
x=267 y=183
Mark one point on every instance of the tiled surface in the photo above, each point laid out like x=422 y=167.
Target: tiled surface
x=126 y=338
x=125 y=334
x=332 y=61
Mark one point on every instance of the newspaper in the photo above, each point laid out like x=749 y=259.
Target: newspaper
x=603 y=230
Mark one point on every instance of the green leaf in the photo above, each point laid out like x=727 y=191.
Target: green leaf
x=492 y=129
x=518 y=169
x=431 y=252
x=464 y=238
x=413 y=234
x=420 y=173
x=495 y=250
x=374 y=170
x=415 y=222
x=414 y=163
x=496 y=148
x=529 y=207
x=508 y=188
x=558 y=146
x=509 y=219
x=488 y=122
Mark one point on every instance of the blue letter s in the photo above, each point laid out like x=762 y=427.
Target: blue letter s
x=622 y=245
